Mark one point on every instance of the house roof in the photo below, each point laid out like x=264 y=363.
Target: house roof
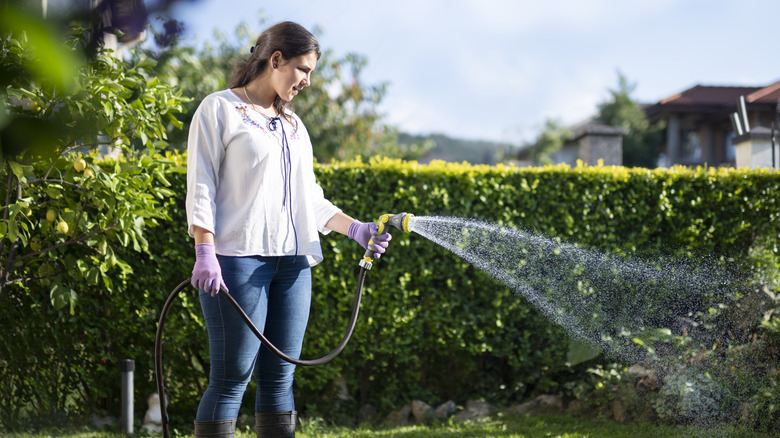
x=770 y=95
x=708 y=95
x=715 y=99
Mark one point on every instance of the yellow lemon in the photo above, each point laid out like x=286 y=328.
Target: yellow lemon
x=80 y=165
x=51 y=215
x=62 y=227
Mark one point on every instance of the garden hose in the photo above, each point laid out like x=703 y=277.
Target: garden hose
x=225 y=294
x=400 y=221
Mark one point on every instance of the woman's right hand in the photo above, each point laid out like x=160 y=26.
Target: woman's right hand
x=206 y=274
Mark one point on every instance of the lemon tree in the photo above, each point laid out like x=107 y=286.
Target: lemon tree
x=74 y=202
x=83 y=179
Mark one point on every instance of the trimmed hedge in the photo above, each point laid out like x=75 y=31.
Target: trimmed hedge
x=432 y=326
x=434 y=320
x=435 y=328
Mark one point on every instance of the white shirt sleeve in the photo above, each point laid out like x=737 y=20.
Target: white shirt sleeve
x=205 y=152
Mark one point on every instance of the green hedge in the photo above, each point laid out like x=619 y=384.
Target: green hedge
x=429 y=319
x=434 y=320
x=431 y=326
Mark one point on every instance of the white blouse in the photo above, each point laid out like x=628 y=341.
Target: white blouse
x=244 y=187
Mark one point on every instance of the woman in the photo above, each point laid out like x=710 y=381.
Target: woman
x=255 y=210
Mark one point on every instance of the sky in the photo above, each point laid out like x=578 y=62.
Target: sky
x=497 y=69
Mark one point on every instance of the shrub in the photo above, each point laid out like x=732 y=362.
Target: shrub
x=689 y=395
x=761 y=411
x=429 y=319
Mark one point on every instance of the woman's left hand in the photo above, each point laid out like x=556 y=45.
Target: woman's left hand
x=365 y=235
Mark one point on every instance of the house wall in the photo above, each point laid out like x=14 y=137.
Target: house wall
x=608 y=148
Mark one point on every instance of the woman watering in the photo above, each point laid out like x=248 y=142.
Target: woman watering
x=255 y=211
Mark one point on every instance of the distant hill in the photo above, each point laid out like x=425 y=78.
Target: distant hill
x=459 y=150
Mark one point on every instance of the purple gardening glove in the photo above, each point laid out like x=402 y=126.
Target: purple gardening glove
x=206 y=274
x=364 y=234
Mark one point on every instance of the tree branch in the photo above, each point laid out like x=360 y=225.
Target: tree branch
x=77 y=241
x=14 y=244
x=53 y=162
x=5 y=209
x=59 y=181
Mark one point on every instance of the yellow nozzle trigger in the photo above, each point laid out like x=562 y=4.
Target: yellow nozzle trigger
x=381 y=225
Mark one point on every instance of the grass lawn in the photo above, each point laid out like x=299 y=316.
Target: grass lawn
x=509 y=426
x=513 y=426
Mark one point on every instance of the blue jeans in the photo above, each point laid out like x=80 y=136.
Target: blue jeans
x=276 y=294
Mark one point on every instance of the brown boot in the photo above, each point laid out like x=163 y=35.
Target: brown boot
x=215 y=429
x=275 y=424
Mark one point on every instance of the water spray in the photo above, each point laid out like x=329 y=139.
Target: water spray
x=399 y=221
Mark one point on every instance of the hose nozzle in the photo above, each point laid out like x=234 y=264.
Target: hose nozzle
x=399 y=220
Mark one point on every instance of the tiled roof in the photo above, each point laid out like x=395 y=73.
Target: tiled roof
x=770 y=94
x=716 y=100
x=709 y=95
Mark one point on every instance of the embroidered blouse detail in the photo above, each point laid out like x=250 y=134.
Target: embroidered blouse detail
x=243 y=110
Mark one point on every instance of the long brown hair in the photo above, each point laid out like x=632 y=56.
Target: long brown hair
x=292 y=40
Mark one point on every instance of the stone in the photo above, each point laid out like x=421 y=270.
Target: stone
x=337 y=392
x=104 y=421
x=619 y=411
x=446 y=409
x=367 y=413
x=746 y=416
x=543 y=404
x=576 y=407
x=153 y=418
x=549 y=401
x=523 y=408
x=647 y=378
x=341 y=388
x=401 y=417
x=244 y=420
x=474 y=410
x=422 y=412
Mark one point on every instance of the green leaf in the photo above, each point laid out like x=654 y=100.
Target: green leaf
x=146 y=63
x=53 y=192
x=16 y=168
x=54 y=61
x=62 y=296
x=93 y=275
x=125 y=267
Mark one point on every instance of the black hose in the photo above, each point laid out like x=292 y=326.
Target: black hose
x=224 y=293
